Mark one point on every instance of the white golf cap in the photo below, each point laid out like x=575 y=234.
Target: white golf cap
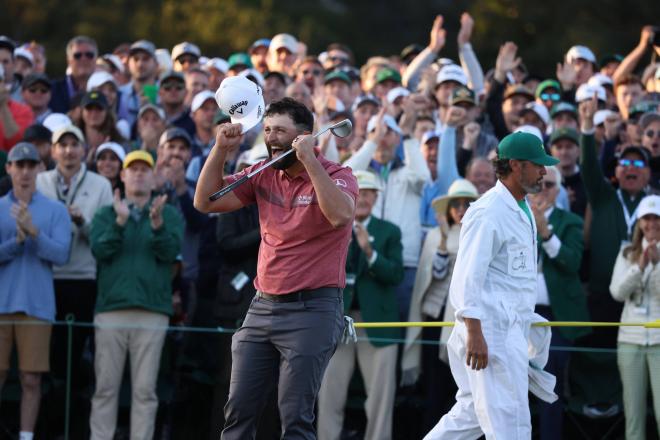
x=98 y=78
x=254 y=73
x=242 y=100
x=649 y=205
x=389 y=121
x=366 y=180
x=112 y=146
x=601 y=115
x=540 y=110
x=200 y=99
x=163 y=59
x=531 y=130
x=115 y=61
x=185 y=48
x=218 y=64
x=68 y=129
x=451 y=72
x=580 y=52
x=286 y=41
x=586 y=91
x=600 y=79
x=154 y=108
x=55 y=121
x=24 y=53
x=396 y=93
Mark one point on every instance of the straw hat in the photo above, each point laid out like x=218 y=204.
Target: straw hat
x=460 y=189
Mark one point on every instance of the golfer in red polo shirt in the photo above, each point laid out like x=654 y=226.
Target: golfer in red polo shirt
x=306 y=210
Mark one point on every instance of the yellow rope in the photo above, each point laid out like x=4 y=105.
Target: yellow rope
x=652 y=324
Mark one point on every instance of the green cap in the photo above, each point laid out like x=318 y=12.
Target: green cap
x=563 y=107
x=388 y=74
x=547 y=84
x=337 y=74
x=524 y=146
x=239 y=59
x=462 y=94
x=564 y=133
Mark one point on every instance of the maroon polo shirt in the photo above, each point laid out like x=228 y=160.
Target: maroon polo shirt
x=300 y=249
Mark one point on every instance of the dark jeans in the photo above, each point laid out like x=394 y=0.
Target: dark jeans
x=283 y=344
x=404 y=292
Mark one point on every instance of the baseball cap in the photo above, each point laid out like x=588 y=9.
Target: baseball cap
x=411 y=50
x=609 y=58
x=185 y=48
x=648 y=118
x=539 y=109
x=389 y=121
x=462 y=94
x=37 y=132
x=547 y=84
x=172 y=74
x=218 y=64
x=388 y=74
x=261 y=42
x=600 y=79
x=451 y=72
x=112 y=146
x=35 y=78
x=601 y=115
x=68 y=129
x=7 y=43
x=55 y=121
x=239 y=59
x=200 y=99
x=286 y=41
x=242 y=100
x=114 y=60
x=365 y=99
x=23 y=151
x=143 y=45
x=24 y=53
x=563 y=107
x=138 y=155
x=580 y=52
x=524 y=146
x=397 y=93
x=518 y=90
x=94 y=98
x=649 y=205
x=564 y=133
x=253 y=75
x=640 y=151
x=427 y=136
x=337 y=75
x=586 y=91
x=175 y=133
x=366 y=180
x=97 y=79
x=154 y=108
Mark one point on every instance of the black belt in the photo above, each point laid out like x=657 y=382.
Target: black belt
x=302 y=295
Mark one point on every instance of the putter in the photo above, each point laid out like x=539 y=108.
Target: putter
x=340 y=129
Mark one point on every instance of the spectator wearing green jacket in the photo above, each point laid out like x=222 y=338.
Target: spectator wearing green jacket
x=135 y=242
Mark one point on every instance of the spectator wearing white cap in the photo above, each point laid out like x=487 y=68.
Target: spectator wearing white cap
x=197 y=80
x=402 y=180
x=112 y=64
x=217 y=69
x=172 y=96
x=259 y=55
x=583 y=61
x=108 y=161
x=535 y=114
x=23 y=62
x=185 y=56
x=38 y=55
x=143 y=68
x=81 y=53
x=604 y=81
x=36 y=92
x=283 y=53
x=202 y=111
x=449 y=78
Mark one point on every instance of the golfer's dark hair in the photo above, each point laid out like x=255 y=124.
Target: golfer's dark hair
x=502 y=167
x=301 y=116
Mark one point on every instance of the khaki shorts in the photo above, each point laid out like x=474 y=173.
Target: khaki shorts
x=32 y=342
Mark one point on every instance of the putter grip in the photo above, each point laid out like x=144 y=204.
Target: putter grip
x=216 y=195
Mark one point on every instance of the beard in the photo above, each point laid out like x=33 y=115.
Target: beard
x=532 y=188
x=285 y=163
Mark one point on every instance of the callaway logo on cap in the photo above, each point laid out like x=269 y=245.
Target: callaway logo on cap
x=242 y=100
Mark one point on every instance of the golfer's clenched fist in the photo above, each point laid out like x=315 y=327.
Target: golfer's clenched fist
x=304 y=146
x=228 y=137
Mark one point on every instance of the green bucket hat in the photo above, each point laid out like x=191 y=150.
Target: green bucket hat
x=525 y=146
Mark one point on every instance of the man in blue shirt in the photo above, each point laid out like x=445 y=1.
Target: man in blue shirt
x=35 y=233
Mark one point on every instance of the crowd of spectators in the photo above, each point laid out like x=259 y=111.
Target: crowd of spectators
x=97 y=224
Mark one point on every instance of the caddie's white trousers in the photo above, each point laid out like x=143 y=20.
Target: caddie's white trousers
x=493 y=401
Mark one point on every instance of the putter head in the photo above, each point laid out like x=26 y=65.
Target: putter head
x=342 y=129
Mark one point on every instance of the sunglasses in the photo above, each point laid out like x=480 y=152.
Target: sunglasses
x=457 y=203
x=652 y=133
x=547 y=184
x=632 y=163
x=41 y=90
x=172 y=87
x=314 y=72
x=88 y=55
x=338 y=59
x=550 y=97
x=189 y=60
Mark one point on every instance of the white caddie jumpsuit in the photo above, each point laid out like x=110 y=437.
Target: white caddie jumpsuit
x=494 y=280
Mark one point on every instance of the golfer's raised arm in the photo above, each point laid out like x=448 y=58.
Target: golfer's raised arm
x=211 y=178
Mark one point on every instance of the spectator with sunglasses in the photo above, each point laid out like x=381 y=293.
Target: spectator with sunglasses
x=548 y=93
x=81 y=53
x=310 y=72
x=172 y=95
x=36 y=92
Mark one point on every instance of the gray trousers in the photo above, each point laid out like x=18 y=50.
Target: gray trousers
x=287 y=345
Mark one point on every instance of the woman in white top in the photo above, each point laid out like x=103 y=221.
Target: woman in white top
x=429 y=300
x=636 y=282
